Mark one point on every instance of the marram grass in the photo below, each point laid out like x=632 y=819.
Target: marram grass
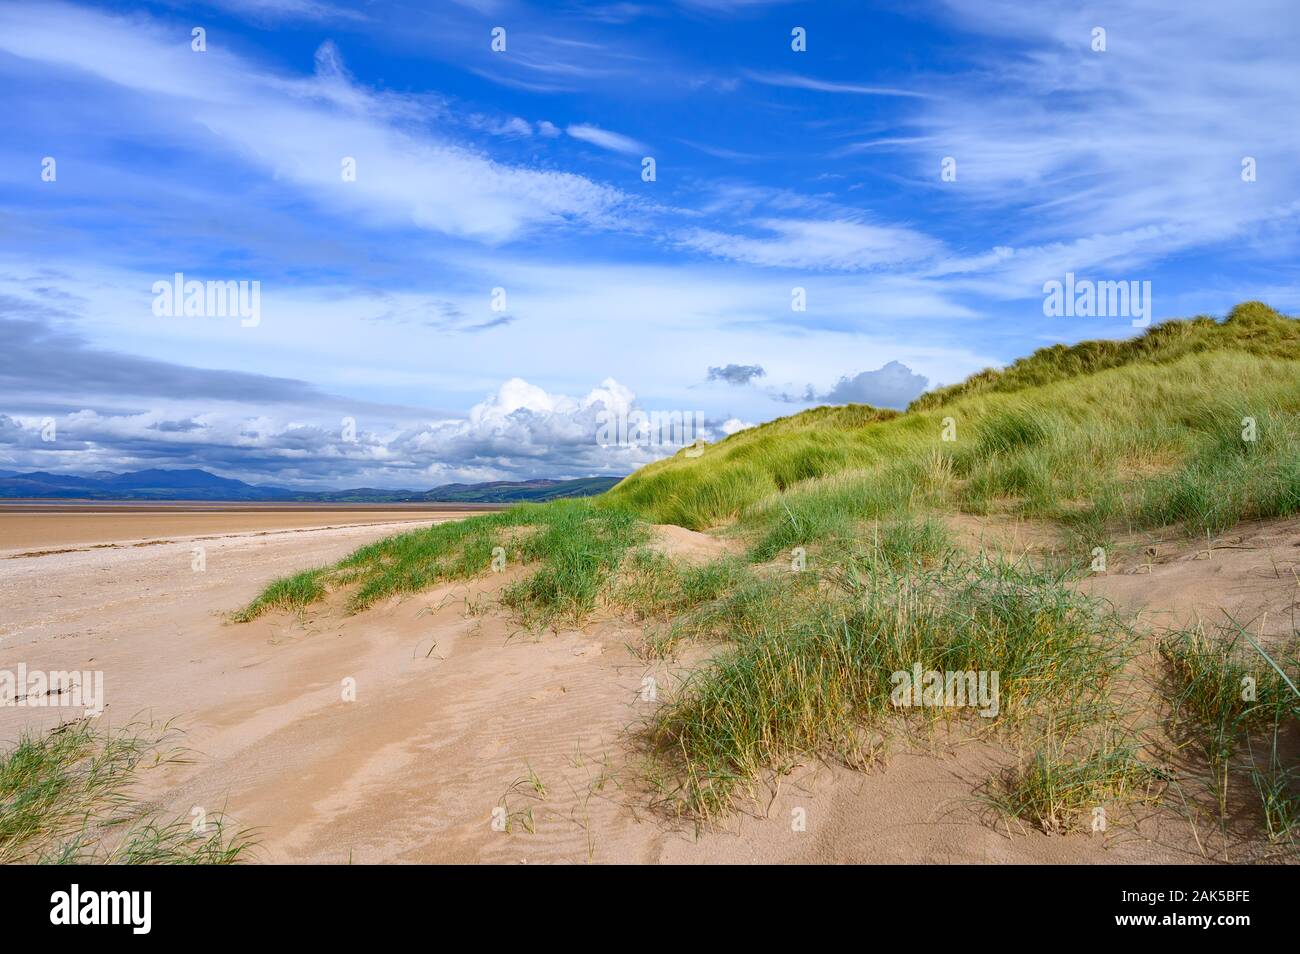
x=811 y=680
x=1238 y=707
x=571 y=547
x=1061 y=788
x=67 y=796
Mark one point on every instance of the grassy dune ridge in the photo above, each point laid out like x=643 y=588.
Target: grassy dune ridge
x=1192 y=425
x=1143 y=433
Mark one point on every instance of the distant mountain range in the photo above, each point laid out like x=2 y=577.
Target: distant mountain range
x=200 y=485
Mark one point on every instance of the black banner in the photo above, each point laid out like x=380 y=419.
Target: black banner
x=302 y=903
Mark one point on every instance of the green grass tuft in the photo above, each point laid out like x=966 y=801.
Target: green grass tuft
x=293 y=593
x=579 y=549
x=1060 y=790
x=574 y=546
x=66 y=797
x=1225 y=695
x=817 y=675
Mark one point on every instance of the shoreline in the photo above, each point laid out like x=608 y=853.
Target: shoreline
x=28 y=531
x=85 y=505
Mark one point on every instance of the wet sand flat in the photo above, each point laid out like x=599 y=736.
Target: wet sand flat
x=56 y=525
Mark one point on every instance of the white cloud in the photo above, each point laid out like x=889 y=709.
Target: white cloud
x=511 y=127
x=794 y=81
x=1139 y=154
x=816 y=244
x=404 y=378
x=261 y=10
x=299 y=130
x=605 y=139
x=1129 y=155
x=518 y=431
x=891 y=385
x=515 y=433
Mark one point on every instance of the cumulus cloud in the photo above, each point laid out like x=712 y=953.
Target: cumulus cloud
x=736 y=374
x=525 y=429
x=284 y=432
x=892 y=385
x=734 y=425
x=114 y=411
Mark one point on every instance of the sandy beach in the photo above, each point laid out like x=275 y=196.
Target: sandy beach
x=458 y=714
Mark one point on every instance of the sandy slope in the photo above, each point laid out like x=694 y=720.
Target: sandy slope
x=454 y=709
x=1250 y=575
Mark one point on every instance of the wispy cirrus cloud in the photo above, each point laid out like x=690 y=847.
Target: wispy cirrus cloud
x=797 y=81
x=614 y=142
x=1125 y=147
x=301 y=130
x=816 y=244
x=275 y=10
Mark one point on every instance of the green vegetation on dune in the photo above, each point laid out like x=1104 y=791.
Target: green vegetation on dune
x=1208 y=673
x=287 y=593
x=1227 y=695
x=573 y=549
x=731 y=476
x=1252 y=327
x=1147 y=433
x=1060 y=787
x=523 y=491
x=818 y=678
x=579 y=549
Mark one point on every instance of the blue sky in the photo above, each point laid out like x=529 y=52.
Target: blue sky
x=521 y=170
